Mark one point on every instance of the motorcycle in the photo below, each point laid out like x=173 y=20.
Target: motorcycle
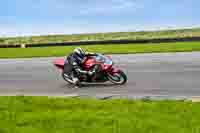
x=106 y=73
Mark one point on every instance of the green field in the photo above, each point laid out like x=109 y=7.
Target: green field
x=107 y=49
x=73 y=115
x=102 y=36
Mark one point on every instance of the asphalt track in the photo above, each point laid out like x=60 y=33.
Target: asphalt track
x=166 y=74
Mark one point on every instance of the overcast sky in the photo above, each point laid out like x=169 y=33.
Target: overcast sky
x=39 y=17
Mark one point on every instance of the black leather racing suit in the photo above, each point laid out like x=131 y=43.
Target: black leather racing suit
x=72 y=63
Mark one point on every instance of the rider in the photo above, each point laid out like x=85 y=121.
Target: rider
x=75 y=61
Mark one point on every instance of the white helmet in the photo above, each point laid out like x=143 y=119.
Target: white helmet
x=80 y=53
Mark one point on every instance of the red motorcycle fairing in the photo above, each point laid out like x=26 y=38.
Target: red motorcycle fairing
x=91 y=61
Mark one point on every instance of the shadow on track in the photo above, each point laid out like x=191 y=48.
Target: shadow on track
x=90 y=85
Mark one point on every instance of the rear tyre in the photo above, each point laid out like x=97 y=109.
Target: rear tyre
x=119 y=78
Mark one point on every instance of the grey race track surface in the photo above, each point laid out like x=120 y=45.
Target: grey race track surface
x=166 y=74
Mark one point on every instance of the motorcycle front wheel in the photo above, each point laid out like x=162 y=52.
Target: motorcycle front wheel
x=119 y=78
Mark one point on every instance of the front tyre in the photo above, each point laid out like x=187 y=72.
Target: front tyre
x=118 y=78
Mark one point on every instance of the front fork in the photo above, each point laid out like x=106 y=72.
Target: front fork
x=113 y=70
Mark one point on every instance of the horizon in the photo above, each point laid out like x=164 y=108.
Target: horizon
x=38 y=18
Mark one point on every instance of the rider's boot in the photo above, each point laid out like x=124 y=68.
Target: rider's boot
x=76 y=82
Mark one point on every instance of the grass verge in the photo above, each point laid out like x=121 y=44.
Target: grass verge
x=73 y=115
x=107 y=49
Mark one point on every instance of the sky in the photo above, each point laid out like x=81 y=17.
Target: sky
x=42 y=17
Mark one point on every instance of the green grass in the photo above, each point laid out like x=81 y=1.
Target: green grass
x=107 y=49
x=102 y=36
x=58 y=115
